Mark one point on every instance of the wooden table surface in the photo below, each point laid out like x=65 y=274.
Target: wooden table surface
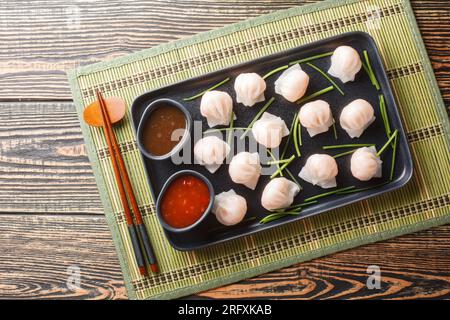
x=51 y=217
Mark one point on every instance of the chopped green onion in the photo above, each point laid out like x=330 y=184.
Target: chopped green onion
x=388 y=142
x=278 y=161
x=289 y=136
x=363 y=189
x=276 y=216
x=384 y=116
x=341 y=146
x=203 y=92
x=282 y=167
x=370 y=72
x=394 y=151
x=334 y=131
x=293 y=178
x=314 y=95
x=326 y=77
x=311 y=58
x=275 y=71
x=295 y=134
x=328 y=193
x=344 y=153
x=264 y=108
x=230 y=133
x=275 y=159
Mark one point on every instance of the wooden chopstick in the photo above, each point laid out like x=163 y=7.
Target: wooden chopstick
x=125 y=188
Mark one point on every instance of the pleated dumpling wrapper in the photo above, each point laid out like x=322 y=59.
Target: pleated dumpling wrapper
x=292 y=83
x=316 y=117
x=365 y=164
x=320 y=170
x=345 y=63
x=279 y=193
x=229 y=208
x=245 y=169
x=249 y=89
x=216 y=107
x=210 y=152
x=269 y=130
x=356 y=117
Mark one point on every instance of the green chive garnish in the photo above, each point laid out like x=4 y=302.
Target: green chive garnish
x=293 y=178
x=278 y=161
x=314 y=95
x=289 y=136
x=335 y=131
x=203 y=92
x=326 y=77
x=328 y=193
x=344 y=153
x=311 y=58
x=370 y=72
x=266 y=106
x=280 y=169
x=295 y=134
x=300 y=143
x=384 y=116
x=356 y=145
x=274 y=159
x=276 y=216
x=297 y=206
x=388 y=142
x=275 y=71
x=363 y=189
x=394 y=152
x=225 y=129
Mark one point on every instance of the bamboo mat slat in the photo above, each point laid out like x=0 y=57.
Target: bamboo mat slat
x=423 y=203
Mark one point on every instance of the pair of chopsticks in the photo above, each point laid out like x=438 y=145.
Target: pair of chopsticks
x=125 y=188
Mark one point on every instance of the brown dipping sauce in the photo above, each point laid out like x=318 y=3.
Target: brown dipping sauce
x=161 y=124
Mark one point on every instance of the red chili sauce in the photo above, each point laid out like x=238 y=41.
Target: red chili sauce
x=185 y=201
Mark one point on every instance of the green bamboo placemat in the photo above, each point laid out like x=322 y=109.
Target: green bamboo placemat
x=423 y=203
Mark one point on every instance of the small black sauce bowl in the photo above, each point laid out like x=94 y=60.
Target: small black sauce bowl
x=145 y=116
x=163 y=192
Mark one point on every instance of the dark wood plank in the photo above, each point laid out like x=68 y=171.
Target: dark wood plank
x=37 y=251
x=45 y=38
x=43 y=162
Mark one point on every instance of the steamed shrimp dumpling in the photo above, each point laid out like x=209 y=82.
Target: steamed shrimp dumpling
x=365 y=164
x=316 y=117
x=249 y=88
x=210 y=152
x=216 y=107
x=345 y=63
x=292 y=83
x=245 y=169
x=279 y=193
x=321 y=170
x=269 y=130
x=356 y=117
x=229 y=208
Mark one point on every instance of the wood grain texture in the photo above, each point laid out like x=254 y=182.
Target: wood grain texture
x=37 y=251
x=49 y=204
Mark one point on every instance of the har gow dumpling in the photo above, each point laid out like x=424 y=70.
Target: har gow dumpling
x=249 y=88
x=292 y=83
x=229 y=208
x=245 y=169
x=365 y=164
x=269 y=130
x=321 y=170
x=216 y=107
x=316 y=117
x=279 y=193
x=210 y=152
x=345 y=63
x=356 y=117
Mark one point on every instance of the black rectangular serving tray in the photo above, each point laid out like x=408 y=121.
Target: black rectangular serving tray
x=211 y=232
